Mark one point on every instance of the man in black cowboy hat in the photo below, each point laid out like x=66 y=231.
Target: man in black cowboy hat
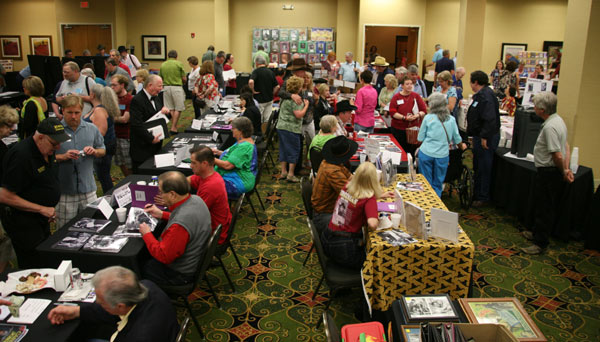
x=343 y=112
x=331 y=178
x=298 y=68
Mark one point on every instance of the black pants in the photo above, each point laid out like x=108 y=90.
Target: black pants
x=27 y=231
x=400 y=136
x=548 y=190
x=161 y=274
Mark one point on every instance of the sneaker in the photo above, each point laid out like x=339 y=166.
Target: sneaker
x=292 y=179
x=527 y=234
x=533 y=250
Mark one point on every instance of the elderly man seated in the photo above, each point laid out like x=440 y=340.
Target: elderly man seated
x=178 y=250
x=331 y=178
x=343 y=111
x=139 y=310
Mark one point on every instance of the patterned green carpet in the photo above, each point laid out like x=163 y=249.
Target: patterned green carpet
x=272 y=301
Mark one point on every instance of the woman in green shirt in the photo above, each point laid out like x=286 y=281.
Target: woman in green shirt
x=238 y=164
x=328 y=125
x=289 y=129
x=385 y=96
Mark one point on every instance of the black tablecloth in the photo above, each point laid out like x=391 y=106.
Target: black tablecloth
x=13 y=100
x=148 y=168
x=132 y=256
x=513 y=190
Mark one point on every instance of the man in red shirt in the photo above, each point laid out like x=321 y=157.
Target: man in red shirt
x=211 y=188
x=119 y=83
x=177 y=252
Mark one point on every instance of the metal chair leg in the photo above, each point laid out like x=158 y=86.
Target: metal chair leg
x=308 y=254
x=254 y=211
x=189 y=309
x=226 y=274
x=235 y=255
x=318 y=287
x=214 y=294
x=259 y=199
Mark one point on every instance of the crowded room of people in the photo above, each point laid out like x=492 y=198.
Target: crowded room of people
x=335 y=170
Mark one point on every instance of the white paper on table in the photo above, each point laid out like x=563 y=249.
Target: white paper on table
x=385 y=156
x=396 y=158
x=4 y=311
x=181 y=154
x=30 y=311
x=415 y=220
x=164 y=160
x=444 y=224
x=197 y=124
x=184 y=166
x=229 y=75
x=338 y=83
x=350 y=85
x=400 y=207
x=226 y=104
x=371 y=146
x=157 y=131
x=105 y=208
x=411 y=168
x=122 y=195
x=215 y=136
x=157 y=116
x=528 y=158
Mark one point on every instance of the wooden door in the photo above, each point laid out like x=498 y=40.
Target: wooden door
x=81 y=37
x=401 y=51
x=413 y=39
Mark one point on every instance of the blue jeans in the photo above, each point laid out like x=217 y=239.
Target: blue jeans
x=359 y=128
x=102 y=168
x=482 y=165
x=434 y=170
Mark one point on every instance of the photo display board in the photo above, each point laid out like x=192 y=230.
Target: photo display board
x=312 y=43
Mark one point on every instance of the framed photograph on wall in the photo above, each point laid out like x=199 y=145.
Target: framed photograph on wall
x=554 y=49
x=154 y=48
x=505 y=311
x=40 y=45
x=10 y=47
x=512 y=48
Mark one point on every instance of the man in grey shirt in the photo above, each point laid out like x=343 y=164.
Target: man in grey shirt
x=113 y=68
x=73 y=84
x=75 y=160
x=551 y=158
x=219 y=71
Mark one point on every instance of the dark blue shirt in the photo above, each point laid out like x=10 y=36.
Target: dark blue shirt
x=444 y=64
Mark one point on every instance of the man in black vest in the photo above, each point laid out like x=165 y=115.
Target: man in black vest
x=178 y=250
x=143 y=106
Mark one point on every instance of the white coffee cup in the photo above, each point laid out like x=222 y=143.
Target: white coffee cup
x=121 y=214
x=395 y=220
x=141 y=183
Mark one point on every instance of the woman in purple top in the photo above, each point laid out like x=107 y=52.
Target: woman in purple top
x=366 y=101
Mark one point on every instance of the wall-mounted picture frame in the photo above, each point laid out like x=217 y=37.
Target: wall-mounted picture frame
x=506 y=311
x=512 y=48
x=429 y=308
x=10 y=47
x=40 y=45
x=154 y=48
x=553 y=48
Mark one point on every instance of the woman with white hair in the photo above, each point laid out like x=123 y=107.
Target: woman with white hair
x=106 y=108
x=438 y=134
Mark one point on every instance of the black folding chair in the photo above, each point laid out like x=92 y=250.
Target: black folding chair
x=336 y=277
x=182 y=292
x=316 y=157
x=222 y=248
x=306 y=188
x=256 y=182
x=331 y=330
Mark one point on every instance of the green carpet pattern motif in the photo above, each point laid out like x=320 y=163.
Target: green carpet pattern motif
x=272 y=300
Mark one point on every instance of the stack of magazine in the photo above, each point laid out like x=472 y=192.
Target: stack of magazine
x=135 y=217
x=12 y=332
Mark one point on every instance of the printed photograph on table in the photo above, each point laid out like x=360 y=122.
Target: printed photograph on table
x=411 y=333
x=506 y=311
x=72 y=241
x=10 y=47
x=512 y=48
x=89 y=225
x=40 y=45
x=154 y=48
x=429 y=307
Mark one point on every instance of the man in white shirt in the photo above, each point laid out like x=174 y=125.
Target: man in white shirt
x=130 y=60
x=192 y=78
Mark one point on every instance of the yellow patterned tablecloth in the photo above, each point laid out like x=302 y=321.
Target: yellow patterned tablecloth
x=427 y=267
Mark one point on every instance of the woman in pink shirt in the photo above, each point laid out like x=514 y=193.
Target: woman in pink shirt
x=366 y=101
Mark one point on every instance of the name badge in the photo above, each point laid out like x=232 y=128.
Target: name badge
x=79 y=91
x=122 y=107
x=475 y=104
x=41 y=169
x=309 y=94
x=400 y=102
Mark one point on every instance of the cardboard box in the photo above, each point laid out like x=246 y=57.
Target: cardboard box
x=487 y=332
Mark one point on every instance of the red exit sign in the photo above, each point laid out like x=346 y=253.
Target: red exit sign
x=84 y=4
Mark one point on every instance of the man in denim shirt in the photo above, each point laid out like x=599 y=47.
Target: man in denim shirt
x=76 y=161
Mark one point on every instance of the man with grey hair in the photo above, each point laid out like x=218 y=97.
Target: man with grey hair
x=209 y=55
x=218 y=64
x=113 y=69
x=457 y=82
x=175 y=255
x=73 y=84
x=143 y=106
x=436 y=56
x=349 y=69
x=419 y=85
x=264 y=85
x=551 y=156
x=400 y=74
x=173 y=77
x=140 y=310
x=114 y=54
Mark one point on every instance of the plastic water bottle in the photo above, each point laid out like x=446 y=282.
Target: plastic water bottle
x=574 y=163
